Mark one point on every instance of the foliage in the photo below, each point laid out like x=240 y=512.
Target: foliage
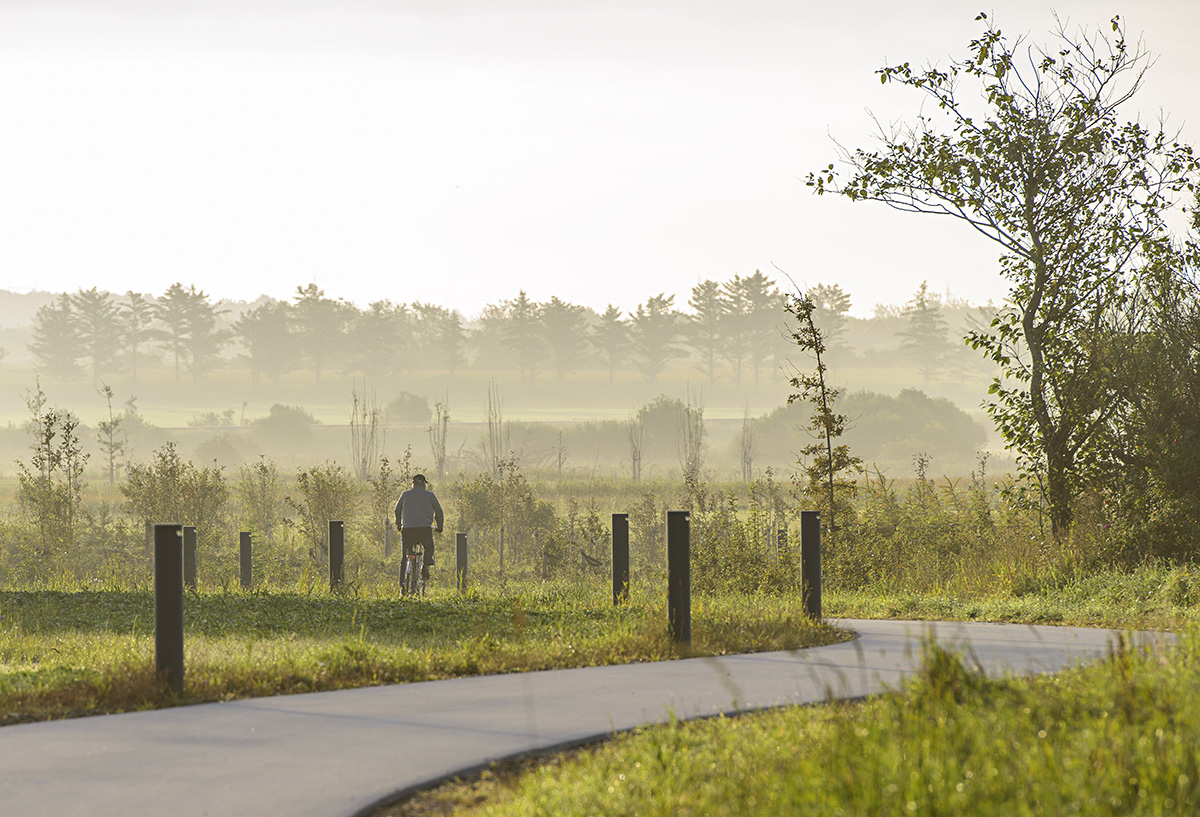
x=825 y=461
x=654 y=329
x=51 y=485
x=407 y=407
x=1111 y=738
x=924 y=336
x=1076 y=201
x=172 y=491
x=325 y=493
x=111 y=437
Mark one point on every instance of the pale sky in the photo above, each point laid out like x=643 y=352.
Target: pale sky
x=455 y=151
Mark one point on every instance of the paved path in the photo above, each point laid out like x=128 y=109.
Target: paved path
x=338 y=753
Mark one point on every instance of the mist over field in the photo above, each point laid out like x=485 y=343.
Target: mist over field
x=564 y=403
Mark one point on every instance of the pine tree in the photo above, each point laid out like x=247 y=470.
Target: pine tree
x=56 y=344
x=924 y=338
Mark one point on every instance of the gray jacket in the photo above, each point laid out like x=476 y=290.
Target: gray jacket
x=419 y=508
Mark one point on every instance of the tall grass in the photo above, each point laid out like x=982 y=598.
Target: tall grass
x=1113 y=738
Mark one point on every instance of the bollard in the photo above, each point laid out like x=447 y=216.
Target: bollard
x=620 y=557
x=244 y=559
x=810 y=562
x=189 y=557
x=460 y=567
x=337 y=552
x=168 y=605
x=679 y=576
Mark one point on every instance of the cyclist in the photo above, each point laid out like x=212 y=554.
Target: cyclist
x=417 y=512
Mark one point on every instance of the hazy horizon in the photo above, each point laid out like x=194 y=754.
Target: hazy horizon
x=456 y=152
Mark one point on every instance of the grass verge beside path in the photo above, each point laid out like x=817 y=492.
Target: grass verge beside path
x=65 y=654
x=1117 y=737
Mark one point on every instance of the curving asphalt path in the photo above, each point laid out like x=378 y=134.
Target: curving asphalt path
x=341 y=753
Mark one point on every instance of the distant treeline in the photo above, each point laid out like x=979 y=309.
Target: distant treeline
x=733 y=330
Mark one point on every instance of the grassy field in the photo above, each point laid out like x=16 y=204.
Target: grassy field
x=1113 y=738
x=76 y=652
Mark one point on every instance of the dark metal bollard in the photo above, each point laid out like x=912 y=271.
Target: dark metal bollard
x=189 y=557
x=460 y=567
x=337 y=552
x=620 y=557
x=244 y=559
x=679 y=576
x=810 y=562
x=168 y=605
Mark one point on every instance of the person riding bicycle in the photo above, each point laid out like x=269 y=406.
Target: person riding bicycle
x=416 y=514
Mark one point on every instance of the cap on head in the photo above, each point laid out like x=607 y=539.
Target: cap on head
x=419 y=478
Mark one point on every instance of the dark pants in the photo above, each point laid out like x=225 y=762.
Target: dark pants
x=411 y=537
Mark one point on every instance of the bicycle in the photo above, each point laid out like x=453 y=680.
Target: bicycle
x=412 y=580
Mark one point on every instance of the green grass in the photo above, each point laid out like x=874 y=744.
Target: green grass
x=1150 y=597
x=1114 y=738
x=83 y=652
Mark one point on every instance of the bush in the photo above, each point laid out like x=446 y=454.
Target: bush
x=407 y=407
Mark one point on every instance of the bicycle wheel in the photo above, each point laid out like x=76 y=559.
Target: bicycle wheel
x=411 y=575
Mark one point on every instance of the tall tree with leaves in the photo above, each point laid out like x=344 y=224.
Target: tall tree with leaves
x=564 y=326
x=97 y=324
x=56 y=346
x=189 y=330
x=610 y=336
x=136 y=318
x=924 y=336
x=706 y=324
x=754 y=306
x=654 y=333
x=440 y=335
x=523 y=333
x=1075 y=199
x=268 y=336
x=320 y=325
x=379 y=338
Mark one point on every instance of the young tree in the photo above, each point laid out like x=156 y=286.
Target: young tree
x=110 y=436
x=706 y=326
x=1074 y=198
x=654 y=329
x=924 y=336
x=367 y=432
x=826 y=461
x=832 y=304
x=51 y=492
